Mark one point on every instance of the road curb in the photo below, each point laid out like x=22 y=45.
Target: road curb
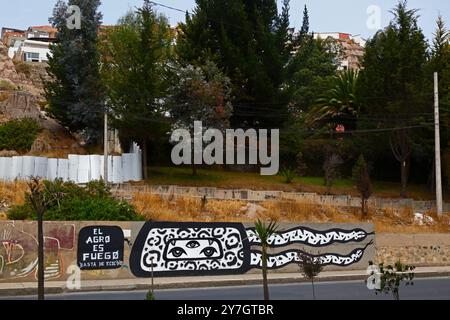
x=26 y=291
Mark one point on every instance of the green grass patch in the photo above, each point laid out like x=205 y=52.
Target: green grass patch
x=254 y=181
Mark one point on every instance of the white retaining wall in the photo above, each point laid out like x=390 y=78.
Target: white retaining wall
x=77 y=168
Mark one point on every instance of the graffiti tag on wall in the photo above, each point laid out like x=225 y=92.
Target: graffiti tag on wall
x=19 y=249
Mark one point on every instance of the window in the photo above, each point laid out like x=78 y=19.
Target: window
x=31 y=56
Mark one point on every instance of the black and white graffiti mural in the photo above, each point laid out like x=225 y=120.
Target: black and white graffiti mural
x=190 y=248
x=180 y=249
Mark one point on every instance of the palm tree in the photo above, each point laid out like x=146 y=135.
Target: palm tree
x=264 y=232
x=339 y=102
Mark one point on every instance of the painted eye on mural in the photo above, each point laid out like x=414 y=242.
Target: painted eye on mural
x=209 y=251
x=193 y=244
x=177 y=252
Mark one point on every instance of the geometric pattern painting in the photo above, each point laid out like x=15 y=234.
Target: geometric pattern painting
x=183 y=249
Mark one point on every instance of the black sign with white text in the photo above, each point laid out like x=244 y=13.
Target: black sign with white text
x=100 y=247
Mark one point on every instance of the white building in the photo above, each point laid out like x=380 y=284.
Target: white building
x=32 y=51
x=341 y=36
x=353 y=48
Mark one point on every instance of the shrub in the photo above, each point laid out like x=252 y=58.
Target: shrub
x=150 y=295
x=91 y=209
x=22 y=212
x=67 y=201
x=388 y=279
x=361 y=178
x=288 y=174
x=7 y=85
x=19 y=134
x=310 y=267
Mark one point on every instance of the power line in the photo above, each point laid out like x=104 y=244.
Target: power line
x=209 y=19
x=169 y=7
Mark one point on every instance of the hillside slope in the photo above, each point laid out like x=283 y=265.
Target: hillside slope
x=21 y=95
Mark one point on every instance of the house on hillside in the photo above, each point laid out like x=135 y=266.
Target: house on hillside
x=12 y=39
x=352 y=47
x=42 y=33
x=31 y=45
x=32 y=51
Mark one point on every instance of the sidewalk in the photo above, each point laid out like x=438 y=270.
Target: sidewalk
x=55 y=287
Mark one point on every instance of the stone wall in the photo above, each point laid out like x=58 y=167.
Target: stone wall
x=416 y=249
x=262 y=195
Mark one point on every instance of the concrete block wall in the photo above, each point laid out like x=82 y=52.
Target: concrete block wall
x=312 y=198
x=77 y=168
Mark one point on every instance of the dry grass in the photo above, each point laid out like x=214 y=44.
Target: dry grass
x=4 y=96
x=11 y=193
x=157 y=208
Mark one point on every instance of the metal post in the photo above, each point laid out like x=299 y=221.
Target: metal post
x=153 y=294
x=437 y=141
x=105 y=148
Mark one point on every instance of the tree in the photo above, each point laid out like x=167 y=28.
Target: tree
x=310 y=72
x=75 y=94
x=200 y=94
x=331 y=169
x=392 y=85
x=310 y=267
x=136 y=72
x=36 y=197
x=361 y=177
x=304 y=31
x=391 y=277
x=401 y=147
x=340 y=103
x=264 y=231
x=284 y=37
x=246 y=39
x=440 y=63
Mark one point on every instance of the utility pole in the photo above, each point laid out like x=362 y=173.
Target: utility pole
x=437 y=150
x=105 y=147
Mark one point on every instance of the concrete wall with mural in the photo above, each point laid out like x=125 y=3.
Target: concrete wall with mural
x=174 y=249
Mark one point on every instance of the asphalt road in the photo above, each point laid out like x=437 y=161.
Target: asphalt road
x=423 y=289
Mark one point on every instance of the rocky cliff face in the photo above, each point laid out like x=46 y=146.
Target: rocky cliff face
x=26 y=77
x=21 y=95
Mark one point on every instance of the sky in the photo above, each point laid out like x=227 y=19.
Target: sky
x=347 y=16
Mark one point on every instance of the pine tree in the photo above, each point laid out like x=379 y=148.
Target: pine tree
x=284 y=37
x=243 y=39
x=75 y=94
x=304 y=31
x=440 y=63
x=392 y=84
